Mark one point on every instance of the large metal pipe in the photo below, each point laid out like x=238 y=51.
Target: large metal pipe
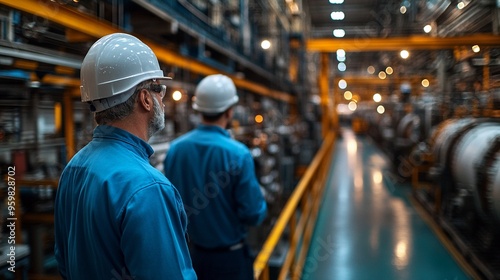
x=471 y=158
x=445 y=136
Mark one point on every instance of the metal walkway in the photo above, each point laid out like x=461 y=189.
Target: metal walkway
x=367 y=227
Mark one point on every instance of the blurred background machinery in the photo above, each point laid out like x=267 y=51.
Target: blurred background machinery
x=449 y=150
x=444 y=140
x=465 y=197
x=43 y=123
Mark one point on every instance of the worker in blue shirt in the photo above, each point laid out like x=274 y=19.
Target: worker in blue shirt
x=215 y=176
x=116 y=216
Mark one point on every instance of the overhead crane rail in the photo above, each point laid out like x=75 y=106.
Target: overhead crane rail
x=398 y=43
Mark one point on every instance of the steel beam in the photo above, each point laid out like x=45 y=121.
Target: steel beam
x=399 y=43
x=96 y=28
x=375 y=81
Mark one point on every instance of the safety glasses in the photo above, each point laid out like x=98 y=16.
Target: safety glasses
x=161 y=89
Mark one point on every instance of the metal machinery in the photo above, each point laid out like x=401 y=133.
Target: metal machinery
x=447 y=142
x=401 y=129
x=450 y=149
x=453 y=161
x=452 y=155
x=464 y=197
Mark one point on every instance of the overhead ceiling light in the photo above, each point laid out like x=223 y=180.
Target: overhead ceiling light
x=427 y=28
x=340 y=55
x=380 y=109
x=342 y=84
x=339 y=33
x=377 y=97
x=389 y=70
x=402 y=10
x=425 y=83
x=382 y=75
x=348 y=95
x=352 y=106
x=177 y=95
x=404 y=54
x=476 y=48
x=337 y=15
x=341 y=66
x=462 y=4
x=336 y=1
x=370 y=69
x=265 y=44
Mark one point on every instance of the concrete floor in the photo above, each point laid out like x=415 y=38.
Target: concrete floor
x=367 y=228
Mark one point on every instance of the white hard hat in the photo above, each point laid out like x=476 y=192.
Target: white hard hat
x=215 y=94
x=405 y=87
x=113 y=66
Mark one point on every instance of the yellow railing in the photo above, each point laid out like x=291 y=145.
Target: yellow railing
x=299 y=214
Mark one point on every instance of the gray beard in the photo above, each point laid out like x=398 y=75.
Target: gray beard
x=157 y=123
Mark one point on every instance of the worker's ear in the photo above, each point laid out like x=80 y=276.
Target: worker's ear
x=145 y=100
x=229 y=113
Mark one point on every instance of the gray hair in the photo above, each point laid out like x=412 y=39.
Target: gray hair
x=122 y=110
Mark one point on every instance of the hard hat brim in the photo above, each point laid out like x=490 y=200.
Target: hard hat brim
x=163 y=80
x=106 y=103
x=220 y=109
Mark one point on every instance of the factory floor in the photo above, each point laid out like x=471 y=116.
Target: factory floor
x=368 y=227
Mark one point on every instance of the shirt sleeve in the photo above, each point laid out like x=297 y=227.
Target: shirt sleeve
x=252 y=207
x=154 y=235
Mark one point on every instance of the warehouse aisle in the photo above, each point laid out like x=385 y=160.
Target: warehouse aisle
x=367 y=228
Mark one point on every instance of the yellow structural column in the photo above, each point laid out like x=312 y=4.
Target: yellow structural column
x=323 y=90
x=69 y=125
x=333 y=108
x=293 y=69
x=58 y=117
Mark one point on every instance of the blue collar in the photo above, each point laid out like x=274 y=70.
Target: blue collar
x=214 y=128
x=111 y=132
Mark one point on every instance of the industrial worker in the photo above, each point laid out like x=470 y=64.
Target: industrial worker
x=215 y=176
x=116 y=216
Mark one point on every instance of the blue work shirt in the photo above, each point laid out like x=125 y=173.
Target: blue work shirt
x=215 y=176
x=116 y=216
